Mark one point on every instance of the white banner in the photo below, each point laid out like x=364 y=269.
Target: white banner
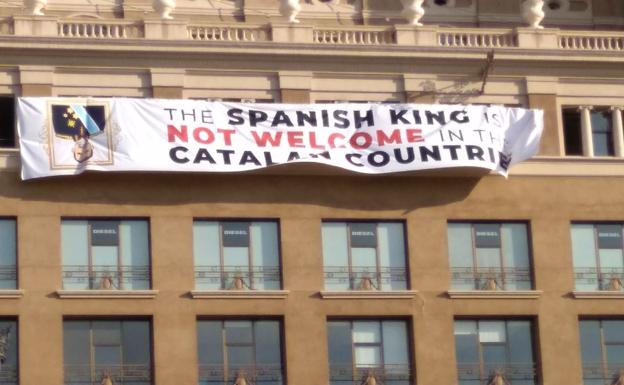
x=62 y=136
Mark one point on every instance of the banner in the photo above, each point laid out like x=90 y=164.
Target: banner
x=63 y=136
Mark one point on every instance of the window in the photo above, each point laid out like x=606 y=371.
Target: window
x=7 y=121
x=489 y=256
x=8 y=254
x=593 y=131
x=572 y=131
x=105 y=254
x=486 y=349
x=598 y=257
x=364 y=256
x=602 y=350
x=364 y=349
x=119 y=350
x=236 y=255
x=8 y=352
x=602 y=132
x=231 y=351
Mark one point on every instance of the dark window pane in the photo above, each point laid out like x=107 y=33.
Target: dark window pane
x=107 y=355
x=238 y=332
x=487 y=235
x=268 y=342
x=106 y=333
x=9 y=329
x=210 y=344
x=136 y=342
x=7 y=121
x=466 y=346
x=613 y=331
x=609 y=236
x=572 y=131
x=494 y=355
x=76 y=342
x=520 y=346
x=602 y=128
x=590 y=342
x=339 y=342
x=615 y=355
x=240 y=356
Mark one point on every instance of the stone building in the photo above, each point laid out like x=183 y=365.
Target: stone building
x=259 y=278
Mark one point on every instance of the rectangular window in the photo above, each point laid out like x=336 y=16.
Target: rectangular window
x=572 y=134
x=105 y=254
x=236 y=255
x=7 y=122
x=8 y=352
x=492 y=350
x=602 y=350
x=119 y=350
x=364 y=256
x=598 y=256
x=602 y=132
x=8 y=254
x=366 y=349
x=489 y=256
x=231 y=351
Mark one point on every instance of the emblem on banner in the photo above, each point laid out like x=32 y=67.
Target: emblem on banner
x=79 y=134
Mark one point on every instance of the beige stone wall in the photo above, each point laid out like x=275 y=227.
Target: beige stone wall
x=300 y=203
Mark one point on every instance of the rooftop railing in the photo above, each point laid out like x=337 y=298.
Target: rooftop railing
x=228 y=33
x=100 y=29
x=363 y=35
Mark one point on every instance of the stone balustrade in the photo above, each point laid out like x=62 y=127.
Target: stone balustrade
x=379 y=36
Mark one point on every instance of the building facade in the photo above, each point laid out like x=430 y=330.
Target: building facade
x=306 y=275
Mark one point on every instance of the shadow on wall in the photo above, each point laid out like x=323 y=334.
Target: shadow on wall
x=406 y=192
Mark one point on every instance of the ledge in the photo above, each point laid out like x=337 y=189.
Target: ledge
x=598 y=294
x=11 y=294
x=368 y=294
x=231 y=294
x=107 y=294
x=494 y=294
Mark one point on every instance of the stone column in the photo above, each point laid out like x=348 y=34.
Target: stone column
x=618 y=131
x=586 y=131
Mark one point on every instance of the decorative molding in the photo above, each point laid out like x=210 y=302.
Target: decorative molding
x=494 y=294
x=241 y=294
x=11 y=294
x=598 y=294
x=107 y=294
x=369 y=294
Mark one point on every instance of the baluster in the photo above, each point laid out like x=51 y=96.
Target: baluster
x=61 y=29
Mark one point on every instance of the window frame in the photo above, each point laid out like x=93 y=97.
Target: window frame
x=599 y=286
x=535 y=351
x=604 y=362
x=476 y=275
x=250 y=266
x=378 y=268
x=355 y=370
x=14 y=273
x=92 y=274
x=253 y=319
x=13 y=125
x=92 y=364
